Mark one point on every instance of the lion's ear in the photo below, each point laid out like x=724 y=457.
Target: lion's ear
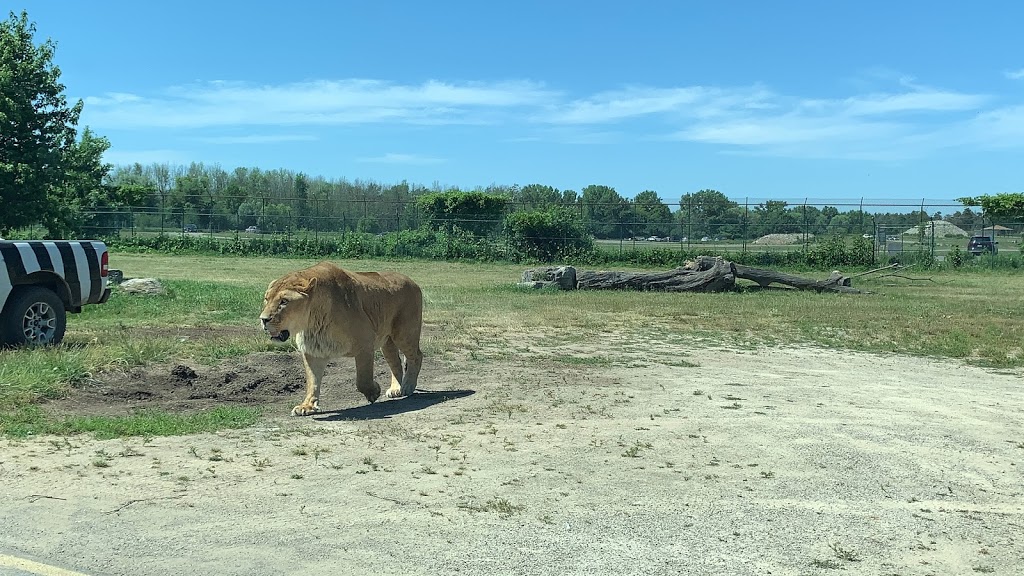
x=305 y=290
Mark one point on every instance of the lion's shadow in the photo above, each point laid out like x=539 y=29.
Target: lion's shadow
x=382 y=410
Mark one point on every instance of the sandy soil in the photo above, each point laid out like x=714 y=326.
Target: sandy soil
x=555 y=461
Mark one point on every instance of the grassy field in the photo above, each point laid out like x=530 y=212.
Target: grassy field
x=972 y=316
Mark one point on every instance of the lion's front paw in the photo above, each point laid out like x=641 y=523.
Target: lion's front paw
x=305 y=409
x=372 y=395
x=395 y=392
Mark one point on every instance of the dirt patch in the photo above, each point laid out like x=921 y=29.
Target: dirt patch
x=272 y=379
x=615 y=454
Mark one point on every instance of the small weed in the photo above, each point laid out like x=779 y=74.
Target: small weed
x=733 y=406
x=101 y=463
x=767 y=474
x=261 y=463
x=634 y=450
x=561 y=426
x=698 y=392
x=428 y=470
x=300 y=451
x=827 y=564
x=844 y=553
x=984 y=569
x=296 y=476
x=501 y=506
x=547 y=519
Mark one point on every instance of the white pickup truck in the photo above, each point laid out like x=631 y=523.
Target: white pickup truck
x=41 y=281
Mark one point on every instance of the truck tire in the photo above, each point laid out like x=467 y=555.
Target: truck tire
x=34 y=316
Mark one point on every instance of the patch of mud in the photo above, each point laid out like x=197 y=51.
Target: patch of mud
x=275 y=380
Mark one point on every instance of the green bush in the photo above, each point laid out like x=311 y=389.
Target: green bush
x=546 y=235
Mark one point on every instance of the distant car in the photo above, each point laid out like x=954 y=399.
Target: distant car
x=979 y=245
x=653 y=238
x=190 y=228
x=252 y=230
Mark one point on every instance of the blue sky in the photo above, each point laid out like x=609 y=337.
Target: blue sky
x=786 y=100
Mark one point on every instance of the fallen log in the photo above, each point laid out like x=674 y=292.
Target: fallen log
x=705 y=274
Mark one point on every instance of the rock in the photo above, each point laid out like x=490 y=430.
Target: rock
x=115 y=276
x=146 y=286
x=563 y=276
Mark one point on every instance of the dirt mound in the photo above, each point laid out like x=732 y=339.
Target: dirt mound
x=942 y=228
x=782 y=239
x=271 y=379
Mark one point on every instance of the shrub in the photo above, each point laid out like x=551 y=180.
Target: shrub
x=548 y=234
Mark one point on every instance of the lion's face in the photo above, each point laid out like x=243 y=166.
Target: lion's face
x=285 y=310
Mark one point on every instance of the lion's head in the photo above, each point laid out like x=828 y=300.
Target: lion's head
x=286 y=306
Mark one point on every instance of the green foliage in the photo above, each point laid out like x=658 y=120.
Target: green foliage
x=707 y=213
x=38 y=125
x=476 y=212
x=833 y=252
x=604 y=211
x=547 y=235
x=1006 y=206
x=47 y=176
x=651 y=216
x=955 y=257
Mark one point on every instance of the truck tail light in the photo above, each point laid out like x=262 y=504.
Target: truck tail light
x=104 y=264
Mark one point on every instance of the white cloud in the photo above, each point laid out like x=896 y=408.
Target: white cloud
x=310 y=103
x=257 y=139
x=126 y=157
x=906 y=120
x=393 y=158
x=1015 y=74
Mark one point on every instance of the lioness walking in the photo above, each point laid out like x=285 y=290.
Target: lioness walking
x=333 y=312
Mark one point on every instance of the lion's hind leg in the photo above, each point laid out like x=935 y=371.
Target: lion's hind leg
x=390 y=351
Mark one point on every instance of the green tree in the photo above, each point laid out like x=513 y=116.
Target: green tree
x=773 y=217
x=1006 y=207
x=82 y=187
x=651 y=215
x=39 y=152
x=707 y=213
x=604 y=211
x=534 y=196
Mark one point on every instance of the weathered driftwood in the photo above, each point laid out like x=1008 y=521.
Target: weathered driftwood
x=717 y=276
x=705 y=274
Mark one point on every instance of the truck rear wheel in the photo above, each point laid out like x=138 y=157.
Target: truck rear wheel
x=34 y=316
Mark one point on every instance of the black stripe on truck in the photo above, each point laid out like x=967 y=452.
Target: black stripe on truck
x=95 y=282
x=67 y=254
x=12 y=259
x=42 y=255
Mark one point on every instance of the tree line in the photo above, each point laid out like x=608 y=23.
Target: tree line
x=52 y=175
x=212 y=198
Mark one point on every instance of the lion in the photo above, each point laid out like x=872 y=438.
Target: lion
x=333 y=312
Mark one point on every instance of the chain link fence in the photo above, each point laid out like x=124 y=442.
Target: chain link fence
x=892 y=228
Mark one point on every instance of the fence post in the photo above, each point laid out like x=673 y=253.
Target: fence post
x=743 y=224
x=689 y=219
x=805 y=224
